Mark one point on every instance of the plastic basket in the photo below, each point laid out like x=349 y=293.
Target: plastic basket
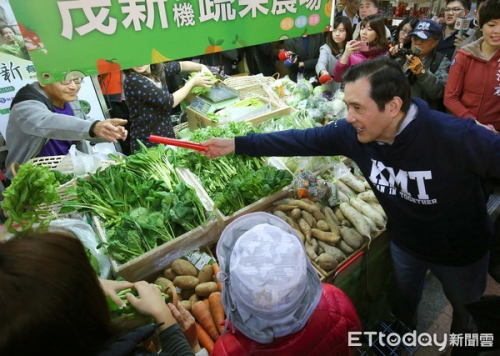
x=180 y=127
x=243 y=82
x=382 y=347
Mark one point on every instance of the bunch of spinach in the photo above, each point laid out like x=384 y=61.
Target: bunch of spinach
x=141 y=202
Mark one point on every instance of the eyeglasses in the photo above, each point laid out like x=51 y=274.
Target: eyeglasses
x=455 y=10
x=77 y=81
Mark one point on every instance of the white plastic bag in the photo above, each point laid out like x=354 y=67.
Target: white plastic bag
x=86 y=235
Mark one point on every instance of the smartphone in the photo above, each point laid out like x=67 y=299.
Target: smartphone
x=363 y=46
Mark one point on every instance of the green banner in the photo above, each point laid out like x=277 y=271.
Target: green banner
x=72 y=38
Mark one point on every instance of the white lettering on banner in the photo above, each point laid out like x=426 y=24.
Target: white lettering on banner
x=140 y=13
x=385 y=177
x=486 y=340
x=311 y=4
x=214 y=10
x=253 y=5
x=282 y=6
x=184 y=14
x=95 y=22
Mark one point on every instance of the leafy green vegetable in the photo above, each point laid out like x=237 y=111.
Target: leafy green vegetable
x=128 y=311
x=198 y=89
x=30 y=188
x=141 y=202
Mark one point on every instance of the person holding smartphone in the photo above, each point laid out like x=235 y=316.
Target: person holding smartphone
x=372 y=44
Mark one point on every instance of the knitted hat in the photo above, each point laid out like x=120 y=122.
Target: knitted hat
x=270 y=288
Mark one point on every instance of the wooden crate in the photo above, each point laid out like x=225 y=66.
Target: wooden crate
x=153 y=262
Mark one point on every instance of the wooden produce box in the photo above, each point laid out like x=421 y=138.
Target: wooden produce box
x=155 y=261
x=198 y=120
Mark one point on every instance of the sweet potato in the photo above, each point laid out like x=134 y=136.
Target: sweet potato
x=284 y=207
x=339 y=215
x=351 y=237
x=326 y=261
x=296 y=213
x=305 y=228
x=310 y=251
x=307 y=216
x=292 y=223
x=345 y=248
x=322 y=225
x=328 y=237
x=280 y=214
x=334 y=251
x=184 y=268
x=301 y=235
x=331 y=220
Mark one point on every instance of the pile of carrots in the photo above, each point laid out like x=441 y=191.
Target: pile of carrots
x=209 y=315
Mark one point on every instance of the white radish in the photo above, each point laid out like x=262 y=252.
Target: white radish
x=368 y=196
x=342 y=196
x=356 y=218
x=365 y=209
x=342 y=187
x=352 y=182
x=379 y=208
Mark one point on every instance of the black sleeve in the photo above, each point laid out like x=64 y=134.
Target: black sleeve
x=174 y=343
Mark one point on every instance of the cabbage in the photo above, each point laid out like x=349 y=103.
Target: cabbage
x=302 y=91
x=319 y=90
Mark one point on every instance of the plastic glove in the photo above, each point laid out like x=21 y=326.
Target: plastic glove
x=416 y=65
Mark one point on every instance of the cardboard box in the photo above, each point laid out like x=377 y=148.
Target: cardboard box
x=198 y=120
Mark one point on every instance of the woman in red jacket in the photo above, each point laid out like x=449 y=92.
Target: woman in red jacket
x=273 y=298
x=473 y=87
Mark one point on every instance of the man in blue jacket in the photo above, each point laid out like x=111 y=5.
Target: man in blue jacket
x=425 y=168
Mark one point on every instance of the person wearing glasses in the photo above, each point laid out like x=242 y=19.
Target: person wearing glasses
x=454 y=10
x=46 y=119
x=401 y=36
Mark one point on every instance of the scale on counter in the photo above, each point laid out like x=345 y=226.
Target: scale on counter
x=217 y=98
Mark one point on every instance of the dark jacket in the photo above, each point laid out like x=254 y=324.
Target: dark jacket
x=310 y=58
x=172 y=340
x=429 y=180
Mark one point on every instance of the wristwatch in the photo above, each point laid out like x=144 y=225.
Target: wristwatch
x=423 y=71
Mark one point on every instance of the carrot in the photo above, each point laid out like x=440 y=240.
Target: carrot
x=217 y=310
x=201 y=312
x=216 y=268
x=204 y=339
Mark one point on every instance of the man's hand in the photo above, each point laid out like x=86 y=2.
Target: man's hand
x=459 y=39
x=186 y=322
x=111 y=130
x=217 y=147
x=416 y=65
x=110 y=288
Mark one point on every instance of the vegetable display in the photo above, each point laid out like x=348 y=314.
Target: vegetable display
x=27 y=199
x=330 y=235
x=142 y=202
x=232 y=182
x=198 y=89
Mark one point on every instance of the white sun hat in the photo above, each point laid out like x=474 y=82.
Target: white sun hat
x=270 y=289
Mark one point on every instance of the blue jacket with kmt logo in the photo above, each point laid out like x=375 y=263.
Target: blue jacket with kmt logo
x=429 y=181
